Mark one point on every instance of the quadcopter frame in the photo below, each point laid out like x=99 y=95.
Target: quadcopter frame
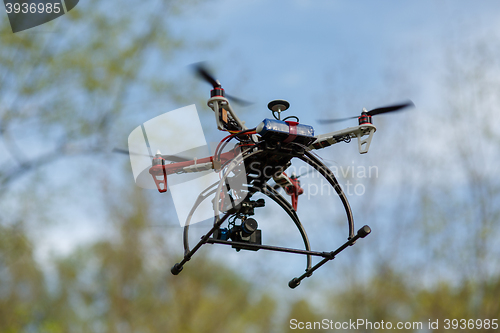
x=272 y=144
x=261 y=152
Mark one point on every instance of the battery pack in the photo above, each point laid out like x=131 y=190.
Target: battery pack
x=286 y=131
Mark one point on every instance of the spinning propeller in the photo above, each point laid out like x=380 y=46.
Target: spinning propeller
x=171 y=158
x=202 y=71
x=385 y=109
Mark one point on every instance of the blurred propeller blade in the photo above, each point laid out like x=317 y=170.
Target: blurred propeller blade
x=237 y=100
x=385 y=109
x=331 y=121
x=171 y=158
x=126 y=152
x=202 y=71
x=390 y=108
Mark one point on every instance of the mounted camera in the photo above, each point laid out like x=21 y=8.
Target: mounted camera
x=246 y=232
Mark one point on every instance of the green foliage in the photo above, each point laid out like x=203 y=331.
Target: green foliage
x=67 y=82
x=124 y=284
x=67 y=86
x=390 y=297
x=21 y=288
x=301 y=311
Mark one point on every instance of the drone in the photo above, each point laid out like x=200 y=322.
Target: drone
x=259 y=155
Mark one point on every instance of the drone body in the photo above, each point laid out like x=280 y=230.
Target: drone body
x=261 y=154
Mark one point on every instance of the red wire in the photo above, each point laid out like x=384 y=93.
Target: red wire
x=228 y=138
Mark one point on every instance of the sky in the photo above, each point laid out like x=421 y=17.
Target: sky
x=330 y=59
x=297 y=49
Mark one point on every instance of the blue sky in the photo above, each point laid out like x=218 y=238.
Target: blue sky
x=295 y=49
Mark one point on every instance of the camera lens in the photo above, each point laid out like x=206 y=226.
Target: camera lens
x=249 y=226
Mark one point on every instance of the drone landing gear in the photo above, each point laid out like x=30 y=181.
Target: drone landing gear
x=327 y=256
x=362 y=233
x=177 y=268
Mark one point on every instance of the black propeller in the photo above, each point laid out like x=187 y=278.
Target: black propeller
x=385 y=109
x=204 y=73
x=171 y=158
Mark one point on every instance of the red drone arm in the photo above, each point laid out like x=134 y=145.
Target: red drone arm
x=160 y=169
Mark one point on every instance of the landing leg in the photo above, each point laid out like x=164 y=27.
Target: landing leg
x=362 y=233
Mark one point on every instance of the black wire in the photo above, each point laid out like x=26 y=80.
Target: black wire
x=292 y=117
x=232 y=223
x=284 y=119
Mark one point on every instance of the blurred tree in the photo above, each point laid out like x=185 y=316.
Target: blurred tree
x=62 y=86
x=302 y=312
x=437 y=258
x=22 y=284
x=62 y=92
x=63 y=89
x=391 y=297
x=124 y=284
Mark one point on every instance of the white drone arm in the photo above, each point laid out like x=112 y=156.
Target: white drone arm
x=223 y=112
x=328 y=139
